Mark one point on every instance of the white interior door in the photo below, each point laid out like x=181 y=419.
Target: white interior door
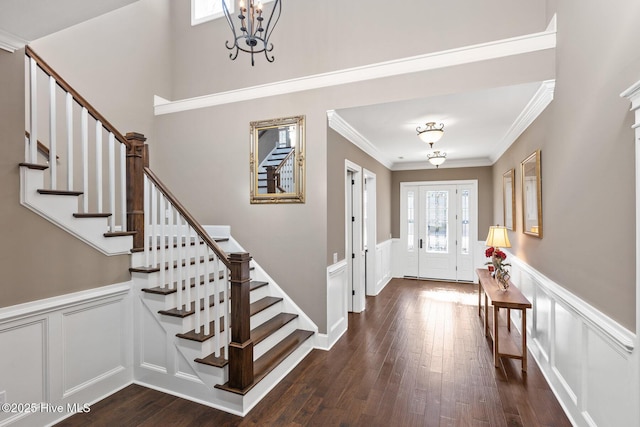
x=437 y=224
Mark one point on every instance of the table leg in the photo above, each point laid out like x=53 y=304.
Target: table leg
x=509 y=319
x=486 y=314
x=524 y=339
x=479 y=298
x=496 y=316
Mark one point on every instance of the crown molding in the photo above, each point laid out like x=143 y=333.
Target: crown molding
x=448 y=164
x=338 y=124
x=431 y=61
x=11 y=42
x=540 y=100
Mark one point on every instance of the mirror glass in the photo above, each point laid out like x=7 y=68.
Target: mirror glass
x=508 y=199
x=531 y=195
x=277 y=160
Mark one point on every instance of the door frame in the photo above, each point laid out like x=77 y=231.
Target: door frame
x=370 y=279
x=355 y=264
x=473 y=231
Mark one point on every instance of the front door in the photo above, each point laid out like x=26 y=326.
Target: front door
x=438 y=223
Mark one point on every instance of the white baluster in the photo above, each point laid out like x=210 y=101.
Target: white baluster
x=123 y=186
x=53 y=164
x=99 y=164
x=112 y=183
x=207 y=293
x=33 y=111
x=197 y=286
x=161 y=240
x=227 y=329
x=84 y=121
x=180 y=259
x=218 y=307
x=154 y=221
x=147 y=226
x=69 y=105
x=170 y=242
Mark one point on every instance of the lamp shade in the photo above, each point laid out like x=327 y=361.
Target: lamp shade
x=498 y=237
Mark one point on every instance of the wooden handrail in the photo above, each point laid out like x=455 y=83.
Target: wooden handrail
x=79 y=98
x=284 y=161
x=188 y=217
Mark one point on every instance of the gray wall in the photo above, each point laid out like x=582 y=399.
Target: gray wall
x=338 y=150
x=485 y=192
x=37 y=259
x=588 y=178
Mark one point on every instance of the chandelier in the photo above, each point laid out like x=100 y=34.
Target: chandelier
x=437 y=158
x=253 y=36
x=430 y=133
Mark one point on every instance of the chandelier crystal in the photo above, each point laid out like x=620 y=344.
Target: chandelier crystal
x=253 y=36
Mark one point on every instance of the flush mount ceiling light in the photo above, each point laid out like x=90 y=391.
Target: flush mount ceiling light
x=253 y=37
x=437 y=158
x=431 y=133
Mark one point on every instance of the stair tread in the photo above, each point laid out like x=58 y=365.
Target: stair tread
x=60 y=192
x=166 y=290
x=120 y=233
x=91 y=215
x=34 y=166
x=192 y=335
x=212 y=360
x=260 y=333
x=263 y=304
x=272 y=358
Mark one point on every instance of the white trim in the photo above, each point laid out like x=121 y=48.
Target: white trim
x=536 y=105
x=337 y=123
x=43 y=306
x=463 y=55
x=587 y=358
x=355 y=268
x=540 y=100
x=617 y=335
x=11 y=42
x=337 y=321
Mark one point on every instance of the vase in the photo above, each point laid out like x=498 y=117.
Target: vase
x=502 y=277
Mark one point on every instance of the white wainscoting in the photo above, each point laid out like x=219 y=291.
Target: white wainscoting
x=61 y=353
x=588 y=359
x=383 y=266
x=337 y=306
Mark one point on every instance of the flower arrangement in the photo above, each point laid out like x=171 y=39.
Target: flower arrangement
x=498 y=266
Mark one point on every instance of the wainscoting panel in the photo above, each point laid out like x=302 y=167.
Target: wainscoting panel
x=337 y=301
x=587 y=357
x=85 y=339
x=62 y=354
x=383 y=265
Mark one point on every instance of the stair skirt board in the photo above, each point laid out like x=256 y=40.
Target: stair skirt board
x=59 y=209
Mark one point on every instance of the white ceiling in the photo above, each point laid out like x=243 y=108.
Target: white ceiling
x=22 y=21
x=479 y=126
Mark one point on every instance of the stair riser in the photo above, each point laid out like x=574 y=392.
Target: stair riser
x=273 y=339
x=259 y=293
x=198 y=349
x=259 y=318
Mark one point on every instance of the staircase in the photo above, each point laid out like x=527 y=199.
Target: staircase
x=275 y=159
x=210 y=324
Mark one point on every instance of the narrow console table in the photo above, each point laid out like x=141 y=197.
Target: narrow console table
x=511 y=299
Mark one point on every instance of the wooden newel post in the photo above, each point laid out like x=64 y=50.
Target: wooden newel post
x=271 y=179
x=241 y=346
x=136 y=158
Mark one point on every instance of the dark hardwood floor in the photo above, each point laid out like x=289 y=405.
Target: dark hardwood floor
x=417 y=356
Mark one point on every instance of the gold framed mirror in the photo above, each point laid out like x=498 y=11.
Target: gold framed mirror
x=509 y=199
x=277 y=160
x=532 y=195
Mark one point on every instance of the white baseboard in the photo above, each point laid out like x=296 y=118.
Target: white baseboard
x=65 y=353
x=589 y=360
